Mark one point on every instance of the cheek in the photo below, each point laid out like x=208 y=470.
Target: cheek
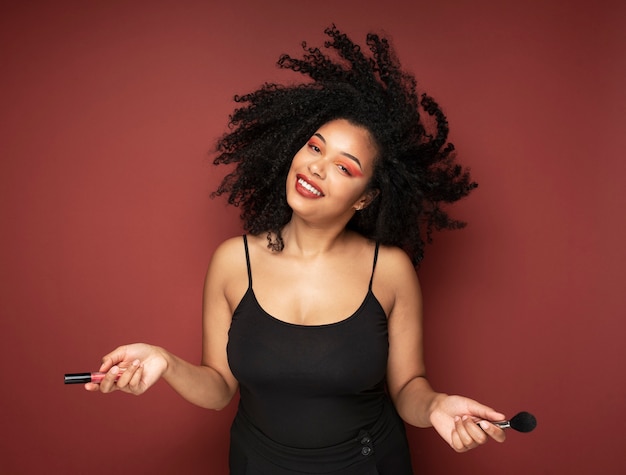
x=298 y=158
x=350 y=193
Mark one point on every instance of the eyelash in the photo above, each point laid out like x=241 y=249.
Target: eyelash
x=344 y=169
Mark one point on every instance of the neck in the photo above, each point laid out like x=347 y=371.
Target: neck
x=310 y=241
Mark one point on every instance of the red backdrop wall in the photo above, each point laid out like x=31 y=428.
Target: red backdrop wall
x=108 y=111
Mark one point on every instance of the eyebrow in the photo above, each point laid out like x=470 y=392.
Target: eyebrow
x=350 y=156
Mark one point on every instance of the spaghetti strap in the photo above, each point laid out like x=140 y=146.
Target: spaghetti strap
x=245 y=245
x=373 y=266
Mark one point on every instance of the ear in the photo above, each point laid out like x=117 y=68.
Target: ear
x=366 y=199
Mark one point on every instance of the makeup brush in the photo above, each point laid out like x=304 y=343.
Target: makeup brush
x=522 y=422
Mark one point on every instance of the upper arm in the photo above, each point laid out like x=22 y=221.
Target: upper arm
x=225 y=280
x=406 y=361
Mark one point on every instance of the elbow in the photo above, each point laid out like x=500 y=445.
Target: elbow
x=221 y=404
x=214 y=405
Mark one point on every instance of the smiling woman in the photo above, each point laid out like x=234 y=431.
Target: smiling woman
x=416 y=166
x=315 y=315
x=327 y=167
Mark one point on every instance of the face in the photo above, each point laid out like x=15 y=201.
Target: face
x=328 y=177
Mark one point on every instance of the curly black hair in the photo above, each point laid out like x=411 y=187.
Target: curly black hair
x=414 y=173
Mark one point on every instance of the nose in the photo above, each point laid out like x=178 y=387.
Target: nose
x=318 y=168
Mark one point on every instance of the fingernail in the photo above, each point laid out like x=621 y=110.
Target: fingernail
x=484 y=425
x=136 y=363
x=115 y=370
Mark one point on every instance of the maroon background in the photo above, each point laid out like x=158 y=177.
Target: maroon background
x=108 y=111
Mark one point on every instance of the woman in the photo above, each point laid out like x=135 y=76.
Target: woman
x=315 y=314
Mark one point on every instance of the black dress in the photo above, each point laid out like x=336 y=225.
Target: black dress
x=312 y=398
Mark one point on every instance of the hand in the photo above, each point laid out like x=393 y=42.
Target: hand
x=457 y=420
x=140 y=366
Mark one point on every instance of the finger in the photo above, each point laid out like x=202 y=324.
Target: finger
x=116 y=356
x=135 y=383
x=92 y=387
x=464 y=436
x=127 y=375
x=108 y=382
x=474 y=431
x=456 y=442
x=484 y=412
x=493 y=431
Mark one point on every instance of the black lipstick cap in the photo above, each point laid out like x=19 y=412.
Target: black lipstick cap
x=77 y=378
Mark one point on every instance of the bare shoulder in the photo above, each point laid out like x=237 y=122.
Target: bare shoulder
x=394 y=263
x=229 y=248
x=227 y=270
x=395 y=279
x=225 y=255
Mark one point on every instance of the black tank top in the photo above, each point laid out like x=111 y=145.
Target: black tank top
x=309 y=386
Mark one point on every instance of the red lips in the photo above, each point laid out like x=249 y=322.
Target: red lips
x=307 y=187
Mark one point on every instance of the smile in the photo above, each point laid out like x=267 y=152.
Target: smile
x=310 y=188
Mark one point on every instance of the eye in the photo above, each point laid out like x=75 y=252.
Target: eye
x=344 y=169
x=314 y=148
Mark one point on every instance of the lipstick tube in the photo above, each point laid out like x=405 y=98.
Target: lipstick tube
x=81 y=378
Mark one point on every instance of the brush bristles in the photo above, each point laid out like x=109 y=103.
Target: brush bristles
x=523 y=422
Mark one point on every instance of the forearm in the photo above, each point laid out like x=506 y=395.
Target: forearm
x=415 y=402
x=201 y=385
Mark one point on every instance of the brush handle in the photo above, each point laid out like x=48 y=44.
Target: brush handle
x=502 y=424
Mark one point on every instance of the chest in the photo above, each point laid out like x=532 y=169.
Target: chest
x=311 y=294
x=341 y=358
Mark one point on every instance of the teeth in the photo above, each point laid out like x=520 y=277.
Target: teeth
x=309 y=187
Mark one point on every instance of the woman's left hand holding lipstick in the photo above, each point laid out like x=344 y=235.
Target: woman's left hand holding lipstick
x=131 y=368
